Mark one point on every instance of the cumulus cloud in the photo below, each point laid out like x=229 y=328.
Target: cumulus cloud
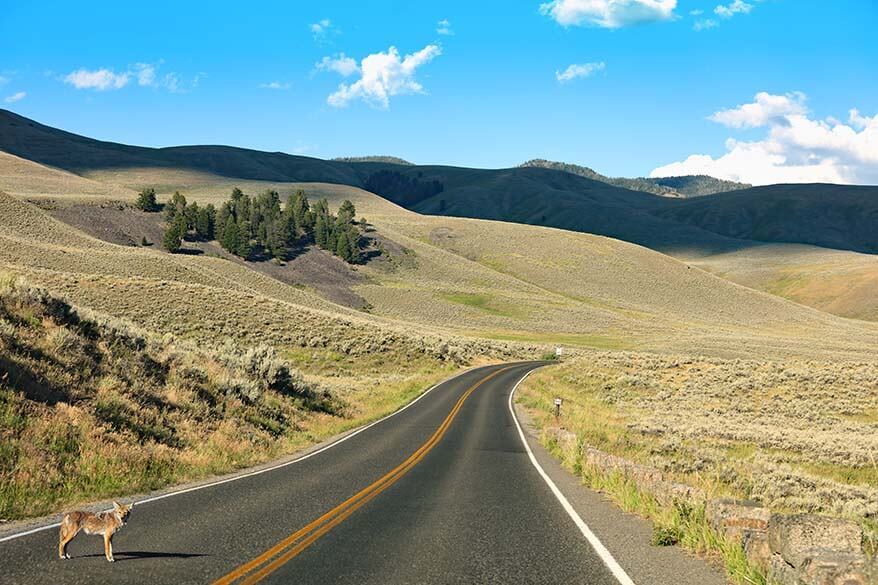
x=382 y=76
x=443 y=27
x=577 y=70
x=736 y=7
x=341 y=64
x=98 y=79
x=766 y=108
x=796 y=148
x=608 y=13
x=275 y=85
x=16 y=97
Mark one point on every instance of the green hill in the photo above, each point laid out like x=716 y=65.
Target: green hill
x=684 y=186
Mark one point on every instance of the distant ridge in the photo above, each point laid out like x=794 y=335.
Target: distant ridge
x=681 y=187
x=393 y=160
x=540 y=193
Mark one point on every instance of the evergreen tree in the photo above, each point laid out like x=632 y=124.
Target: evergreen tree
x=230 y=239
x=353 y=245
x=191 y=214
x=210 y=211
x=343 y=247
x=301 y=211
x=346 y=212
x=176 y=205
x=146 y=200
x=244 y=248
x=222 y=217
x=172 y=238
x=202 y=224
x=181 y=225
x=320 y=232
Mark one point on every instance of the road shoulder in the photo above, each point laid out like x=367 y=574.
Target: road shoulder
x=626 y=536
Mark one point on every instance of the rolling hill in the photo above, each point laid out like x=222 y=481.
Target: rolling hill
x=717 y=233
x=684 y=186
x=831 y=216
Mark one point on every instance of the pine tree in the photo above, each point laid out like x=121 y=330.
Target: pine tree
x=320 y=232
x=191 y=214
x=211 y=221
x=146 y=200
x=354 y=245
x=230 y=235
x=181 y=225
x=176 y=205
x=346 y=212
x=222 y=217
x=342 y=247
x=202 y=224
x=172 y=239
x=302 y=213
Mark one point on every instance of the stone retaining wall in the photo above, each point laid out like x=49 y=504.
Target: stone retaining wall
x=794 y=549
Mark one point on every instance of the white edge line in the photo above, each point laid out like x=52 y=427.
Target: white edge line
x=611 y=563
x=266 y=469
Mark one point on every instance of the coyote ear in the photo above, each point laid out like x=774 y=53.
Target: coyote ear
x=116 y=505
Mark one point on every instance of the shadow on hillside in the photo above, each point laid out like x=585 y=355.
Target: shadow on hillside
x=21 y=378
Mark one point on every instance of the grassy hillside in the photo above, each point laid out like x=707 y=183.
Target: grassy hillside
x=92 y=407
x=684 y=186
x=446 y=276
x=838 y=282
x=830 y=216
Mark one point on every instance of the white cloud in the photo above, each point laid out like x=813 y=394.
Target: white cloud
x=796 y=149
x=579 y=70
x=16 y=97
x=344 y=66
x=443 y=27
x=696 y=12
x=99 y=79
x=320 y=30
x=736 y=7
x=765 y=109
x=383 y=75
x=704 y=24
x=145 y=74
x=608 y=13
x=276 y=85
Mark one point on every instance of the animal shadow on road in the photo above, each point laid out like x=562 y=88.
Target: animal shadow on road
x=143 y=554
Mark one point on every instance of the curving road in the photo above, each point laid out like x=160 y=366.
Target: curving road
x=445 y=491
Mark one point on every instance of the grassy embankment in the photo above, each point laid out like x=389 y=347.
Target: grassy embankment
x=91 y=407
x=797 y=436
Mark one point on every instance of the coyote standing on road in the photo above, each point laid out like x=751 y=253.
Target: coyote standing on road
x=106 y=523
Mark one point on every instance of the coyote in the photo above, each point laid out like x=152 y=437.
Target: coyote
x=106 y=523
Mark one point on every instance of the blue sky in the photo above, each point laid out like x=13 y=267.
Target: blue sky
x=484 y=83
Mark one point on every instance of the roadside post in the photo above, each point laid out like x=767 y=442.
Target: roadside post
x=557 y=408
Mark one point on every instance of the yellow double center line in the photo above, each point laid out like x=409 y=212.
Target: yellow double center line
x=263 y=565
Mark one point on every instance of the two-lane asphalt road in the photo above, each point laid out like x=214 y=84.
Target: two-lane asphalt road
x=442 y=492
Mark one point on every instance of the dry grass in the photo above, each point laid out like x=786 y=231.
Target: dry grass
x=836 y=281
x=796 y=435
x=92 y=407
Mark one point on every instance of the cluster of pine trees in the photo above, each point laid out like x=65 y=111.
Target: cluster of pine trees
x=260 y=225
x=187 y=220
x=245 y=223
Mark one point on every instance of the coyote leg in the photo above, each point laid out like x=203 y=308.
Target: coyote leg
x=108 y=546
x=67 y=534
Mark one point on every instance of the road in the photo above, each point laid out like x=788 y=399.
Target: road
x=442 y=492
